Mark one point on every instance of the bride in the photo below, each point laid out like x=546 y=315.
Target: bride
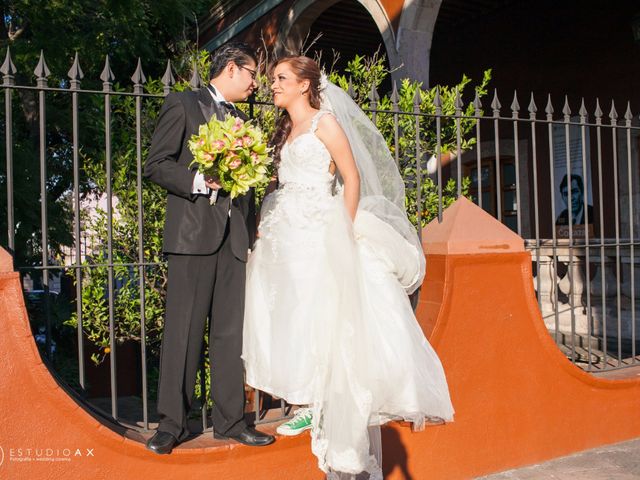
x=328 y=323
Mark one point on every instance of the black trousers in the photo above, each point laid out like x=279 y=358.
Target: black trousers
x=201 y=287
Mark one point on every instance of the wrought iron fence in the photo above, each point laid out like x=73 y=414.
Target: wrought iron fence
x=566 y=184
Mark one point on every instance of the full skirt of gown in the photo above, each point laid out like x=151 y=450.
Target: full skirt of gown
x=328 y=323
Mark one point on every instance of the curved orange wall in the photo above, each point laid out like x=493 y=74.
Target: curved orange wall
x=517 y=399
x=36 y=413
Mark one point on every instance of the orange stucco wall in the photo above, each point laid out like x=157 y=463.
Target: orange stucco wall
x=517 y=399
x=393 y=8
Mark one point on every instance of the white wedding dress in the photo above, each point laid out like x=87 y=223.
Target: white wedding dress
x=327 y=320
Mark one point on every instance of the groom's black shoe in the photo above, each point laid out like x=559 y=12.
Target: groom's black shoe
x=249 y=436
x=162 y=443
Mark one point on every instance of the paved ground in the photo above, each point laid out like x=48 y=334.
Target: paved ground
x=613 y=462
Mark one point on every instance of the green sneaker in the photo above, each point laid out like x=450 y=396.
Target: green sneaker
x=300 y=422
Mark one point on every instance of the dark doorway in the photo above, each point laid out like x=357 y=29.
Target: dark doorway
x=346 y=27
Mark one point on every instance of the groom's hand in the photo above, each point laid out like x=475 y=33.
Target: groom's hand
x=212 y=183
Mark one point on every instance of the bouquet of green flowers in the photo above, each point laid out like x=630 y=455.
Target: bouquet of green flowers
x=233 y=152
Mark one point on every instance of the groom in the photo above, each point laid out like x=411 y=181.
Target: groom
x=206 y=247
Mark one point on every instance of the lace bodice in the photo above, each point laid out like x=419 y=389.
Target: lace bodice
x=305 y=160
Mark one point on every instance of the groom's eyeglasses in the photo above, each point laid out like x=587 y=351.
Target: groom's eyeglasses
x=253 y=73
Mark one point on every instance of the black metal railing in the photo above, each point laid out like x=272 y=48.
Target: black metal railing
x=522 y=170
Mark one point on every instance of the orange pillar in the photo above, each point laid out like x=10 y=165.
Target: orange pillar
x=518 y=400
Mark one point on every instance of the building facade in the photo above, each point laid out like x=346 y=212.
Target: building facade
x=558 y=139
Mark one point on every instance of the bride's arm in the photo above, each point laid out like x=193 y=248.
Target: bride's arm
x=331 y=134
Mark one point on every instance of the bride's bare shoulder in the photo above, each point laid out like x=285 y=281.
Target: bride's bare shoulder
x=331 y=134
x=328 y=123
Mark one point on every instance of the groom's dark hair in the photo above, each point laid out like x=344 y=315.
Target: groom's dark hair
x=237 y=52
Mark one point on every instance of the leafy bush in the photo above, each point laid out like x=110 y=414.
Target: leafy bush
x=363 y=72
x=126 y=278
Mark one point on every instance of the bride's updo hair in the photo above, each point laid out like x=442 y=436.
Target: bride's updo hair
x=304 y=68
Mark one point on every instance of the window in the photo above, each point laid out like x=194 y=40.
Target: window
x=508 y=196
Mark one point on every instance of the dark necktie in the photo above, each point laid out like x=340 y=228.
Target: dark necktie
x=228 y=105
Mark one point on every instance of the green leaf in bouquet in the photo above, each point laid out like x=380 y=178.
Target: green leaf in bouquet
x=260 y=148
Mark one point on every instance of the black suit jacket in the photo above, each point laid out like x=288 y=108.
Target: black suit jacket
x=563 y=218
x=192 y=225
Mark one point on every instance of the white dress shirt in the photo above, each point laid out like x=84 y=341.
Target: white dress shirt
x=199 y=185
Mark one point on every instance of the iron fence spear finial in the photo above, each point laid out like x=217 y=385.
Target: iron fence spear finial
x=394 y=96
x=583 y=111
x=628 y=116
x=515 y=105
x=107 y=76
x=138 y=78
x=549 y=108
x=477 y=105
x=350 y=89
x=373 y=102
x=416 y=100
x=533 y=108
x=195 y=82
x=613 y=114
x=8 y=69
x=42 y=71
x=437 y=101
x=75 y=73
x=598 y=112
x=495 y=103
x=566 y=111
x=458 y=104
x=168 y=80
